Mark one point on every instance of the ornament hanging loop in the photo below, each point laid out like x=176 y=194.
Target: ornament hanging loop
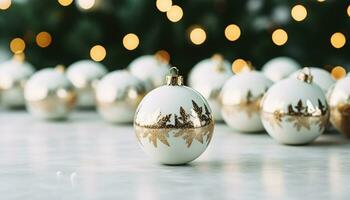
x=305 y=75
x=174 y=78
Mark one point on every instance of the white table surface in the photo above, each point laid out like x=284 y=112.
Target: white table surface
x=87 y=158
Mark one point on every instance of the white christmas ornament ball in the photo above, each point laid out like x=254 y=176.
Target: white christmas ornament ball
x=173 y=123
x=13 y=76
x=84 y=75
x=208 y=77
x=50 y=95
x=151 y=69
x=339 y=103
x=295 y=110
x=118 y=94
x=279 y=68
x=240 y=99
x=321 y=78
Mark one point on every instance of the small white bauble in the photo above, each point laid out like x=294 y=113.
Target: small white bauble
x=339 y=103
x=321 y=77
x=173 y=123
x=50 y=95
x=207 y=77
x=295 y=110
x=118 y=94
x=13 y=75
x=84 y=75
x=240 y=98
x=150 y=69
x=279 y=68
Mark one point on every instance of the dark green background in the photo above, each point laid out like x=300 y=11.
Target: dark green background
x=74 y=32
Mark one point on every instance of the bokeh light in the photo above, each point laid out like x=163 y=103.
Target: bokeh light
x=85 y=4
x=197 y=35
x=299 y=13
x=43 y=39
x=163 y=55
x=239 y=65
x=164 y=5
x=131 y=41
x=338 y=40
x=98 y=53
x=17 y=45
x=65 y=2
x=175 y=13
x=5 y=4
x=338 y=72
x=348 y=10
x=279 y=37
x=232 y=32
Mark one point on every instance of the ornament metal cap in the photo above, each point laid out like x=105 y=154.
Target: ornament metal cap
x=174 y=78
x=305 y=75
x=220 y=62
x=60 y=68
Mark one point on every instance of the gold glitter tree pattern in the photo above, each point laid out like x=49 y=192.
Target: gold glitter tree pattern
x=300 y=116
x=250 y=105
x=183 y=126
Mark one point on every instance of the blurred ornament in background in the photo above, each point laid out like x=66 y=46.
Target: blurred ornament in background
x=279 y=68
x=339 y=103
x=295 y=110
x=207 y=77
x=49 y=94
x=118 y=94
x=173 y=123
x=240 y=99
x=321 y=77
x=4 y=54
x=13 y=75
x=84 y=75
x=151 y=69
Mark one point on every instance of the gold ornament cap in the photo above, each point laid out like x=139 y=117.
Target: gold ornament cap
x=174 y=78
x=60 y=68
x=305 y=75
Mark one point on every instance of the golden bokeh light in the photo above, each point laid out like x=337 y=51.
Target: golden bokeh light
x=338 y=40
x=85 y=4
x=164 y=5
x=43 y=39
x=299 y=13
x=239 y=65
x=279 y=37
x=321 y=0
x=197 y=35
x=163 y=55
x=97 y=53
x=348 y=10
x=175 y=13
x=338 y=72
x=17 y=45
x=5 y=4
x=232 y=32
x=131 y=41
x=65 y=2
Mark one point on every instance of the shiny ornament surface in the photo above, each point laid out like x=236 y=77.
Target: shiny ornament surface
x=295 y=110
x=118 y=94
x=151 y=69
x=50 y=95
x=321 y=77
x=207 y=77
x=13 y=76
x=173 y=123
x=339 y=103
x=279 y=68
x=84 y=75
x=240 y=99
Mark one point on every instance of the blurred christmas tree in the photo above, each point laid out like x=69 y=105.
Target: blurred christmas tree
x=68 y=30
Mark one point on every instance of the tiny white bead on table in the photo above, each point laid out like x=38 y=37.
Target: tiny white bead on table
x=88 y=158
